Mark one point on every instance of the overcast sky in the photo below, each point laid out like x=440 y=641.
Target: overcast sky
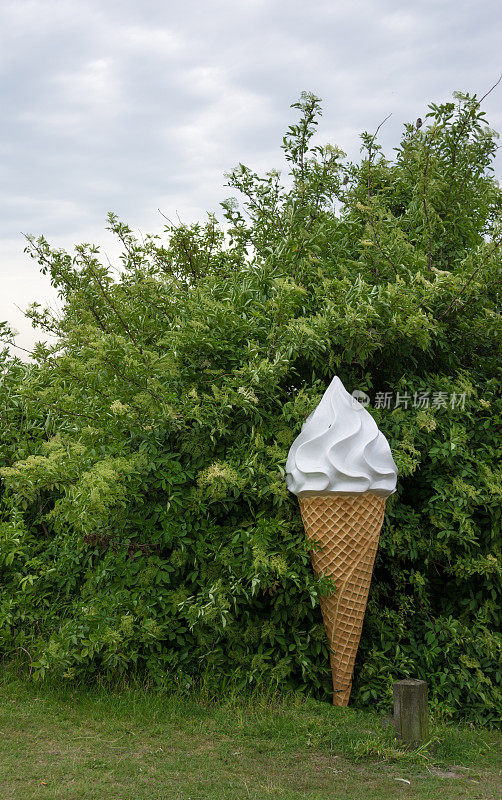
x=134 y=106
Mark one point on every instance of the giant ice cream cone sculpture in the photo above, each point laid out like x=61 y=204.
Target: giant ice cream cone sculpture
x=341 y=469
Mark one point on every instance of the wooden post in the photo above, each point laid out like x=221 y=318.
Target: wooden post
x=411 y=720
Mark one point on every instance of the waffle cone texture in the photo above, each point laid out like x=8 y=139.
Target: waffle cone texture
x=346 y=530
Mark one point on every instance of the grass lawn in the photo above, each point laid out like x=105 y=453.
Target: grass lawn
x=136 y=745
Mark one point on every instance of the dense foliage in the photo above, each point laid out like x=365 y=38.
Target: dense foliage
x=145 y=522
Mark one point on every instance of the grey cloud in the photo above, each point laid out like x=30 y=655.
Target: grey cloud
x=129 y=107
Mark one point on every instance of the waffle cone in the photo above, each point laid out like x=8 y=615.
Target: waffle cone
x=347 y=529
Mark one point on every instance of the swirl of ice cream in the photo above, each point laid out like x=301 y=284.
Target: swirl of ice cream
x=340 y=450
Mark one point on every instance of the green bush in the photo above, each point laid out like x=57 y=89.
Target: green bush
x=148 y=527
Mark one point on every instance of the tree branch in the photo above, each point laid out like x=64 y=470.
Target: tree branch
x=491 y=90
x=497 y=244
x=370 y=152
x=424 y=201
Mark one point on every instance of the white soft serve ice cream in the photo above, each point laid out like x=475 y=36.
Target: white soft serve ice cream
x=340 y=450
